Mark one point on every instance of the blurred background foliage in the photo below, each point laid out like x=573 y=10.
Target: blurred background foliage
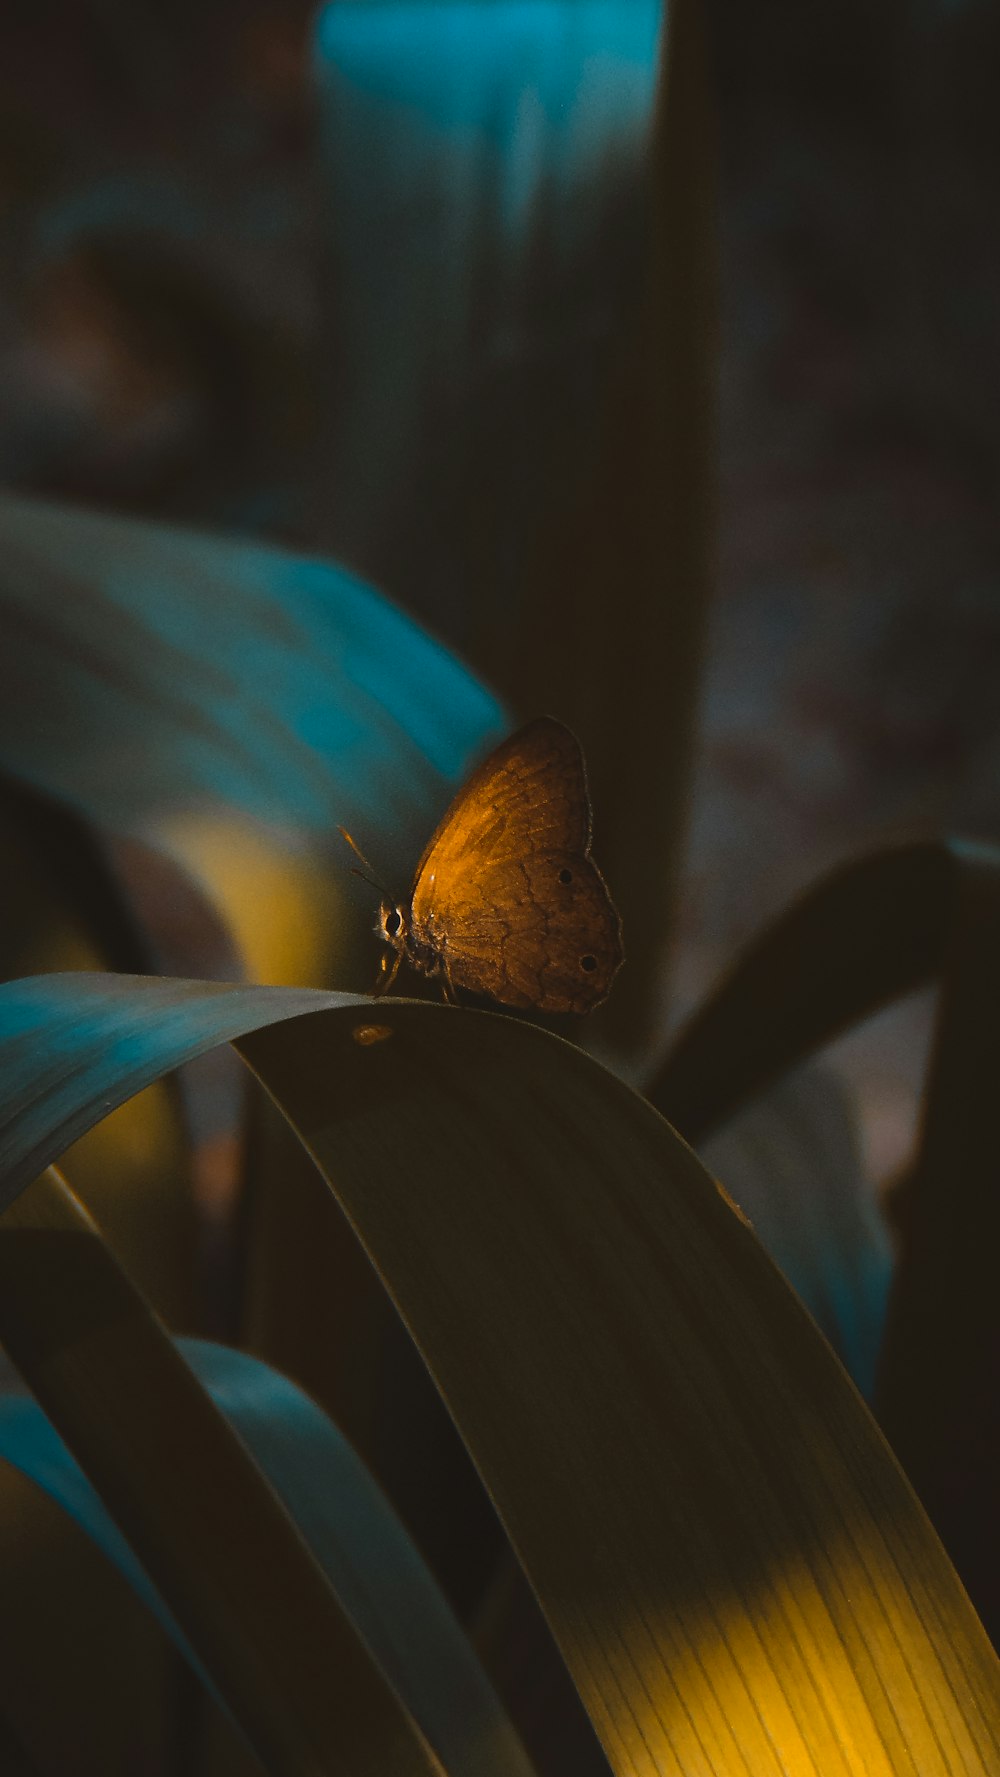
x=491 y=306
x=202 y=318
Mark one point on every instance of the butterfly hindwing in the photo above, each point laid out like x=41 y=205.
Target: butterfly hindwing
x=550 y=939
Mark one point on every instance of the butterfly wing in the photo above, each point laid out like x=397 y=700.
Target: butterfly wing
x=551 y=946
x=505 y=893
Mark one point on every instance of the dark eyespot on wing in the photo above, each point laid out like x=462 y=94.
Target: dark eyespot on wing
x=519 y=935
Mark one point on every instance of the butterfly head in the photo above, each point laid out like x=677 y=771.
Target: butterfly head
x=393 y=925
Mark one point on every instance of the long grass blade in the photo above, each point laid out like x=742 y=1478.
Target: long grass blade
x=86 y=1674
x=264 y=698
x=869 y=932
x=734 y=1566
x=939 y=1386
x=544 y=309
x=361 y=1546
x=700 y=1499
x=219 y=1547
x=792 y=1160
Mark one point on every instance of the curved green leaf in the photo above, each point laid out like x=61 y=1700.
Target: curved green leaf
x=229 y=704
x=88 y=1679
x=735 y=1568
x=72 y=1047
x=736 y=1571
x=219 y=672
x=870 y=931
x=226 y=1558
x=351 y=1531
x=792 y=1161
x=542 y=308
x=939 y=1383
x=877 y=928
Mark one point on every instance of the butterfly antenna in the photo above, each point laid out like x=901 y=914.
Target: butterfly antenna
x=367 y=874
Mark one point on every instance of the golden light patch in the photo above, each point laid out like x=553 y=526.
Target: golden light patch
x=366 y=1035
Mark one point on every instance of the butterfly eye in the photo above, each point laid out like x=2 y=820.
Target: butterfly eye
x=588 y=963
x=393 y=921
x=565 y=876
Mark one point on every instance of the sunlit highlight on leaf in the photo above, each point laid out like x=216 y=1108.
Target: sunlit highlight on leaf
x=727 y=1553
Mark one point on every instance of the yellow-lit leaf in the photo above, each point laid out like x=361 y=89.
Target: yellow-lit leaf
x=737 y=1571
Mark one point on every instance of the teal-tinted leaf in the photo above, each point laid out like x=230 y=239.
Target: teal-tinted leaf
x=521 y=432
x=792 y=1161
x=506 y=147
x=147 y=671
x=373 y=1567
x=736 y=1571
x=74 y=1046
x=210 y=1531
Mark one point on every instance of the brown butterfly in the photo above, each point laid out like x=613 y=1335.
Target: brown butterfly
x=505 y=900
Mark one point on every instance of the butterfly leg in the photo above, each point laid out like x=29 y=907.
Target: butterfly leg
x=448 y=991
x=387 y=974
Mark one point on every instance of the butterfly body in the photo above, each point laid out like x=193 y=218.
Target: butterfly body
x=506 y=900
x=416 y=949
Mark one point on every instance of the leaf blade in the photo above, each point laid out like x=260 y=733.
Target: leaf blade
x=347 y=1524
x=565 y=1547
x=277 y=1644
x=866 y=933
x=734 y=1566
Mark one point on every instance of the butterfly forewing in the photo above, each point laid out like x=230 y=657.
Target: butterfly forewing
x=505 y=896
x=532 y=789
